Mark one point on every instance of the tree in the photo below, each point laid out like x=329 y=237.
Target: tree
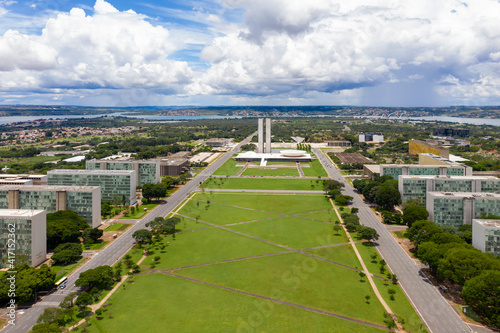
x=105 y=208
x=29 y=281
x=368 y=233
x=422 y=231
x=66 y=253
x=142 y=236
x=387 y=196
x=83 y=300
x=330 y=184
x=52 y=315
x=337 y=228
x=100 y=277
x=461 y=264
x=343 y=199
x=91 y=235
x=46 y=328
x=64 y=227
x=412 y=213
x=482 y=293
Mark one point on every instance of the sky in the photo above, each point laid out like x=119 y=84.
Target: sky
x=250 y=52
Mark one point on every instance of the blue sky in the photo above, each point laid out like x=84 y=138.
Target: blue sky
x=250 y=52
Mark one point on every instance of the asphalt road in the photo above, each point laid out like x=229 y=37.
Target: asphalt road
x=26 y=318
x=432 y=307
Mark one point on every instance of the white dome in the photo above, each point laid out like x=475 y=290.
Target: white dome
x=293 y=153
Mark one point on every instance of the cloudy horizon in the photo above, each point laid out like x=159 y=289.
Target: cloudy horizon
x=250 y=52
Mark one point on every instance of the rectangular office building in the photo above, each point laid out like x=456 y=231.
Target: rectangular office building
x=148 y=171
x=456 y=209
x=29 y=230
x=85 y=200
x=486 y=236
x=396 y=170
x=417 y=187
x=115 y=184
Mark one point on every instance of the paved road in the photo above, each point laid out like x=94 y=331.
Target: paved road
x=433 y=308
x=109 y=255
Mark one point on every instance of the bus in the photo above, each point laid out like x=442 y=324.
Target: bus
x=61 y=282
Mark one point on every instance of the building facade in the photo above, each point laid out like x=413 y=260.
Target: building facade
x=456 y=209
x=371 y=137
x=339 y=143
x=174 y=167
x=85 y=200
x=417 y=187
x=416 y=147
x=115 y=184
x=29 y=228
x=486 y=236
x=396 y=170
x=148 y=171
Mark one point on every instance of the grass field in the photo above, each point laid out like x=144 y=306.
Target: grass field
x=313 y=169
x=251 y=249
x=229 y=168
x=140 y=212
x=263 y=183
x=292 y=232
x=97 y=246
x=271 y=171
x=62 y=270
x=310 y=284
x=176 y=305
x=118 y=227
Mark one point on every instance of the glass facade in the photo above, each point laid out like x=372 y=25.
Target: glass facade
x=394 y=172
x=414 y=189
x=80 y=202
x=486 y=207
x=45 y=200
x=492 y=241
x=449 y=211
x=453 y=185
x=490 y=186
x=23 y=240
x=424 y=171
x=113 y=186
x=146 y=172
x=455 y=172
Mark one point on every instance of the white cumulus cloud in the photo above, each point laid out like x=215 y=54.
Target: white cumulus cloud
x=106 y=49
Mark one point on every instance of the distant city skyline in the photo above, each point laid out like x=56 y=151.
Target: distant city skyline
x=249 y=52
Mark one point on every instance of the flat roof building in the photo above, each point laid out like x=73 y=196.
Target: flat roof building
x=396 y=170
x=115 y=184
x=486 y=236
x=456 y=209
x=216 y=142
x=339 y=143
x=85 y=200
x=173 y=167
x=370 y=137
x=148 y=171
x=419 y=147
x=30 y=230
x=36 y=179
x=417 y=187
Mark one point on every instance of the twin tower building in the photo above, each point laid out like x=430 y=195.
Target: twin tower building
x=260 y=132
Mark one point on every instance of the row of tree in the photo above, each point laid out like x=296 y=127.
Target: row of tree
x=449 y=257
x=383 y=191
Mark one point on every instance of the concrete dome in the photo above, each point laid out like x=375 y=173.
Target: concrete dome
x=292 y=153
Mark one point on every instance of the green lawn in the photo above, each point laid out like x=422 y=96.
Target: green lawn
x=366 y=249
x=343 y=254
x=268 y=202
x=219 y=214
x=313 y=169
x=140 y=212
x=118 y=227
x=299 y=279
x=292 y=232
x=229 y=168
x=263 y=183
x=62 y=270
x=209 y=245
x=97 y=246
x=325 y=215
x=167 y=304
x=271 y=171
x=400 y=306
